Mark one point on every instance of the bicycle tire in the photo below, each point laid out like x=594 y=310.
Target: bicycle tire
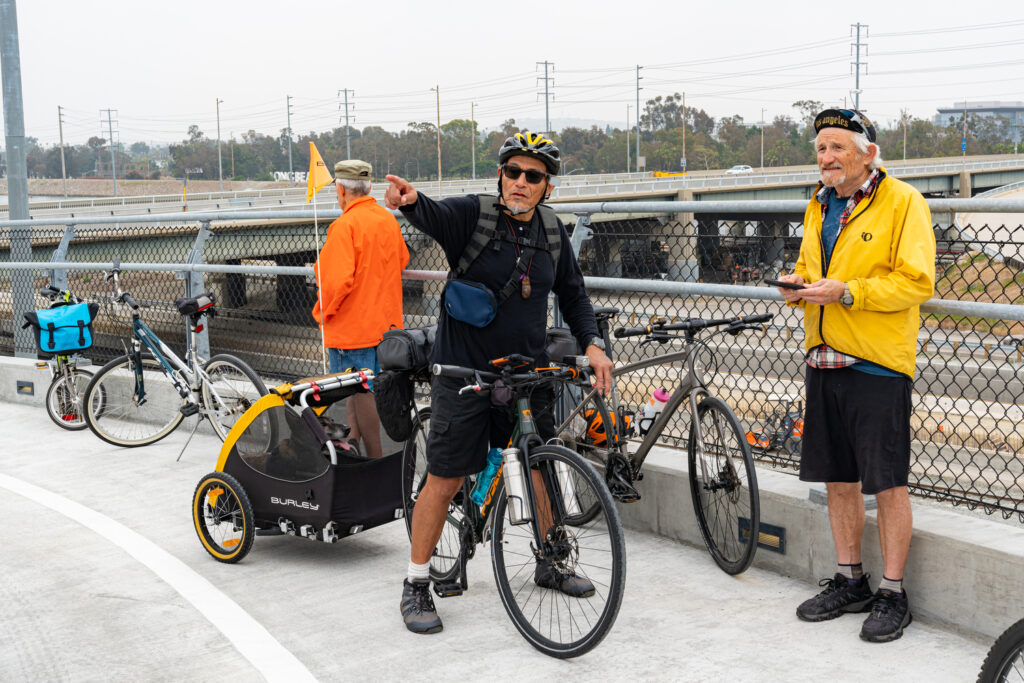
x=444 y=561
x=223 y=518
x=64 y=399
x=554 y=623
x=1004 y=662
x=111 y=411
x=238 y=387
x=576 y=439
x=731 y=492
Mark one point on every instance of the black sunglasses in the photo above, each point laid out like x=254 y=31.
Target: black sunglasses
x=532 y=177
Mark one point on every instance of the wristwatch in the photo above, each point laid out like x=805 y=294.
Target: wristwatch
x=596 y=341
x=847 y=298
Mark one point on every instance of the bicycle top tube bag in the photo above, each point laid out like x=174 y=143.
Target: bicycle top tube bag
x=473 y=302
x=63 y=329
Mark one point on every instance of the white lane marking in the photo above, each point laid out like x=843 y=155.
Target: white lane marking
x=249 y=637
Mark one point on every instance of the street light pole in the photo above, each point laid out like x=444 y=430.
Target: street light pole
x=63 y=168
x=762 y=138
x=437 y=89
x=220 y=165
x=472 y=136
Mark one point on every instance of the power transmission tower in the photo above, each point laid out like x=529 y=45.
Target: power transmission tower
x=856 y=63
x=547 y=94
x=348 y=131
x=63 y=167
x=291 y=174
x=110 y=130
x=638 y=88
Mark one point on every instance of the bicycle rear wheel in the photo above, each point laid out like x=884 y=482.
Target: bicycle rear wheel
x=65 y=396
x=553 y=622
x=232 y=388
x=444 y=562
x=723 y=485
x=587 y=434
x=1005 y=660
x=115 y=412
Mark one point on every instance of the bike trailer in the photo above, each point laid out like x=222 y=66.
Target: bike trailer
x=62 y=329
x=296 y=475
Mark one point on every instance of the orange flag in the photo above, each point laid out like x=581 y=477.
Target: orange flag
x=318 y=173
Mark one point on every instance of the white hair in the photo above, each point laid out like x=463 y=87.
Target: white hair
x=863 y=145
x=357 y=188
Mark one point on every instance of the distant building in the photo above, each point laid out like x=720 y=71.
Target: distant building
x=1014 y=111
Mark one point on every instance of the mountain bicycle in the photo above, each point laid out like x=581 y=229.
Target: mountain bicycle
x=527 y=520
x=68 y=381
x=141 y=397
x=1005 y=660
x=723 y=483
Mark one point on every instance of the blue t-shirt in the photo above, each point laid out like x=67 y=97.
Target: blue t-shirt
x=829 y=236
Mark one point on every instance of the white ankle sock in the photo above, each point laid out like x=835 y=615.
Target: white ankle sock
x=419 y=572
x=894 y=585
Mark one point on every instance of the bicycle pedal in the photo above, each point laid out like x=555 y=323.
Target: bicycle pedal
x=189 y=409
x=448 y=590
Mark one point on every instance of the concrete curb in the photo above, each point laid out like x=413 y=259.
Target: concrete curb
x=963 y=571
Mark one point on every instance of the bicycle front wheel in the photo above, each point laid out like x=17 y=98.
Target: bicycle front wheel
x=723 y=485
x=444 y=561
x=564 y=597
x=120 y=414
x=1005 y=661
x=65 y=396
x=232 y=388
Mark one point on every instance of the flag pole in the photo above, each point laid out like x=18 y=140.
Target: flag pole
x=319 y=280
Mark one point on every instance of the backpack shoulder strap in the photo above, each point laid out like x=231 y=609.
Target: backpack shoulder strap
x=484 y=233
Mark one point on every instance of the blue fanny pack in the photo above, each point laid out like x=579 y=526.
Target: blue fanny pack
x=63 y=329
x=470 y=302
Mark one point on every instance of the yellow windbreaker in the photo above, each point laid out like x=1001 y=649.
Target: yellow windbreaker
x=886 y=255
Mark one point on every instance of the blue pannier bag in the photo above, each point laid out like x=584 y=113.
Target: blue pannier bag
x=63 y=329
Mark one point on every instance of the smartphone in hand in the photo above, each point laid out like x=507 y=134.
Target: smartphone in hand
x=784 y=285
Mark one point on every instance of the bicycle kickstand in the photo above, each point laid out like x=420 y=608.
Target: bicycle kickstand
x=188 y=440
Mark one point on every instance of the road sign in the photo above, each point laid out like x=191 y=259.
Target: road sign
x=682 y=163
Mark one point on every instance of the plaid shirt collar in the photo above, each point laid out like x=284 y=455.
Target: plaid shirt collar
x=863 y=191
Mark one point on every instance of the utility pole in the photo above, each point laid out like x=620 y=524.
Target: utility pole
x=291 y=175
x=472 y=136
x=348 y=131
x=547 y=80
x=638 y=79
x=856 y=64
x=903 y=118
x=437 y=89
x=684 y=134
x=220 y=166
x=232 y=154
x=627 y=138
x=113 y=162
x=63 y=168
x=963 y=143
x=762 y=138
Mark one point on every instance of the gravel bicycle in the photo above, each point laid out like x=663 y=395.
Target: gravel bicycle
x=529 y=519
x=723 y=483
x=1005 y=660
x=64 y=395
x=141 y=397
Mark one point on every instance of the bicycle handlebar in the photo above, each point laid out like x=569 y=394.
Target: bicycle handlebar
x=693 y=324
x=461 y=372
x=127 y=298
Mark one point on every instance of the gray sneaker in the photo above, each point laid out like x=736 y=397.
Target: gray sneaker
x=418 y=608
x=890 y=614
x=839 y=597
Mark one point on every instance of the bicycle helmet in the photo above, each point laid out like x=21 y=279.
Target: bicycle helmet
x=596 y=433
x=532 y=144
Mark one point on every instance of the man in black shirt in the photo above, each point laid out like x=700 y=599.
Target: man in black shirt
x=462 y=427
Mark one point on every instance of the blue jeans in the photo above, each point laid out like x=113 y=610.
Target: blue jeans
x=341 y=359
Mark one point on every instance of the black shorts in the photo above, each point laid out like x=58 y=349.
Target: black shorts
x=462 y=428
x=856 y=429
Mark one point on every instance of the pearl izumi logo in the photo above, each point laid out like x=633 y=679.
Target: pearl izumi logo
x=866 y=236
x=295 y=504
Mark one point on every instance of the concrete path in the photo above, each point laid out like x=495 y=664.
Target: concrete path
x=104 y=579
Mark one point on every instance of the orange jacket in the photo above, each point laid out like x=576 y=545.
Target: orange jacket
x=359 y=275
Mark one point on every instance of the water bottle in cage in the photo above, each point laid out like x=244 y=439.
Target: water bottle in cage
x=515 y=487
x=655 y=404
x=486 y=477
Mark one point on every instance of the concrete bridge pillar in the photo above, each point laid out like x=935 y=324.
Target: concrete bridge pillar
x=294 y=297
x=234 y=295
x=965 y=184
x=683 y=262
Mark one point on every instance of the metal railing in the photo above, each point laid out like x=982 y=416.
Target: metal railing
x=968 y=426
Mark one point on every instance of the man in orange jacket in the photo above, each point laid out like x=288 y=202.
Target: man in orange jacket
x=359 y=273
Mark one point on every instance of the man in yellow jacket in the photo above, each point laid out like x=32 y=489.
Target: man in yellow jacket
x=867 y=261
x=359 y=273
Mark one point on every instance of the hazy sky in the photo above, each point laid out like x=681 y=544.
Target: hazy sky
x=162 y=65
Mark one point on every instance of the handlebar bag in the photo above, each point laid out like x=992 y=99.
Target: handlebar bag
x=406 y=350
x=63 y=329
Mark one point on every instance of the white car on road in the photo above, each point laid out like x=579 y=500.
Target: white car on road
x=737 y=170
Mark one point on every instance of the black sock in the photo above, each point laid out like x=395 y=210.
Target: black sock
x=852 y=572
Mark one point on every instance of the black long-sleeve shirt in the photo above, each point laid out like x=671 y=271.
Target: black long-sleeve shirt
x=520 y=324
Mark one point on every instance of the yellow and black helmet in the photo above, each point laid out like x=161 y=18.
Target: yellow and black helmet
x=532 y=144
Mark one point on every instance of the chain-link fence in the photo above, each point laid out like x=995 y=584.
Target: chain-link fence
x=968 y=443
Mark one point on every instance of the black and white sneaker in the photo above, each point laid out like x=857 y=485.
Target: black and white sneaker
x=890 y=614
x=839 y=597
x=418 y=608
